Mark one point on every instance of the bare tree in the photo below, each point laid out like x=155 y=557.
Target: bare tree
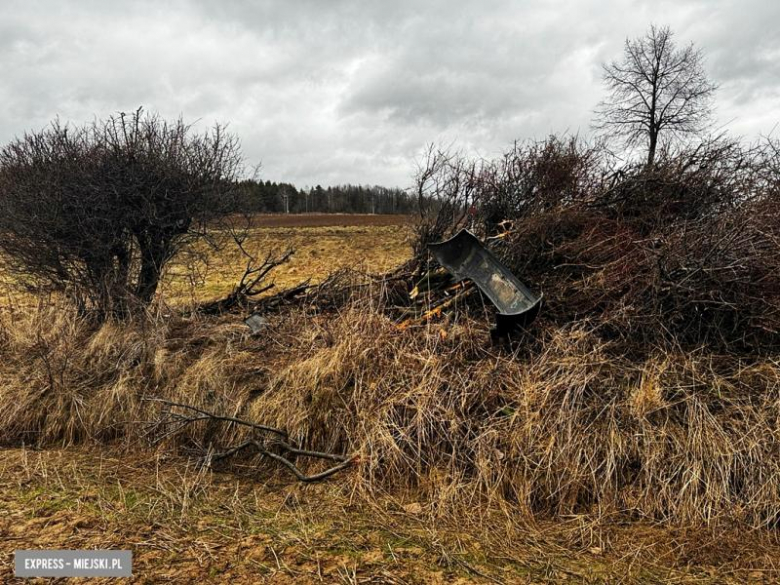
x=97 y=211
x=657 y=91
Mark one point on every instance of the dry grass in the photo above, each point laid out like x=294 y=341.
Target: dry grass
x=185 y=525
x=566 y=427
x=322 y=244
x=560 y=429
x=319 y=250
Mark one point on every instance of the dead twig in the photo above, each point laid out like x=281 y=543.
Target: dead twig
x=252 y=283
x=272 y=443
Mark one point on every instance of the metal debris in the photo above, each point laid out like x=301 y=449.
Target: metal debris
x=466 y=257
x=256 y=323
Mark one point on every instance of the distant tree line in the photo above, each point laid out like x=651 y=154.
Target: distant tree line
x=272 y=197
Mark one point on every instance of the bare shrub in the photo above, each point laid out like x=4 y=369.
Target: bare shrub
x=97 y=211
x=683 y=252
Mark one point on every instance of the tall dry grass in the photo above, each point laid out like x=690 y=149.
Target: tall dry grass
x=556 y=425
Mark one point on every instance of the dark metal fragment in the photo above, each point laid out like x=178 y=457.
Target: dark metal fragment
x=465 y=256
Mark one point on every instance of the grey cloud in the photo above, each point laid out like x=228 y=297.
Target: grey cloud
x=351 y=90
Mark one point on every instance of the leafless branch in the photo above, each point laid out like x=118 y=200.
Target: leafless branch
x=271 y=442
x=657 y=92
x=252 y=283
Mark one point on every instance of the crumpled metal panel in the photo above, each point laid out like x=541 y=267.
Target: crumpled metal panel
x=466 y=257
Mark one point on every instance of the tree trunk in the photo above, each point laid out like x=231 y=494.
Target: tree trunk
x=652 y=148
x=153 y=254
x=120 y=292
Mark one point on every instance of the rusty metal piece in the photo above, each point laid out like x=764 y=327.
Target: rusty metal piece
x=465 y=256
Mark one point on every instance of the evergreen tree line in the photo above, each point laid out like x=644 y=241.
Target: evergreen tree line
x=272 y=197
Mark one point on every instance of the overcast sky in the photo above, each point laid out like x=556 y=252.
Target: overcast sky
x=337 y=91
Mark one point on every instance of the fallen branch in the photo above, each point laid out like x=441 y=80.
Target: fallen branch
x=252 y=283
x=174 y=416
x=460 y=291
x=284 y=297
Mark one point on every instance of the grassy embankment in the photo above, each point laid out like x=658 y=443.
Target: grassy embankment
x=530 y=462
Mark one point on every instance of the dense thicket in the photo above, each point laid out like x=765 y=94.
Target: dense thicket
x=686 y=251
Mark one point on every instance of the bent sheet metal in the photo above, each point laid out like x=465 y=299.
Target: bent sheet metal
x=465 y=256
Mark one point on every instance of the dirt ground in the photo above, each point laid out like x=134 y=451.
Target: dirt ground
x=185 y=524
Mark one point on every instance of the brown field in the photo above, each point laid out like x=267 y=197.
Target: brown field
x=328 y=219
x=322 y=243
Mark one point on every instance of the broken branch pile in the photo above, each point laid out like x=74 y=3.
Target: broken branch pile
x=686 y=252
